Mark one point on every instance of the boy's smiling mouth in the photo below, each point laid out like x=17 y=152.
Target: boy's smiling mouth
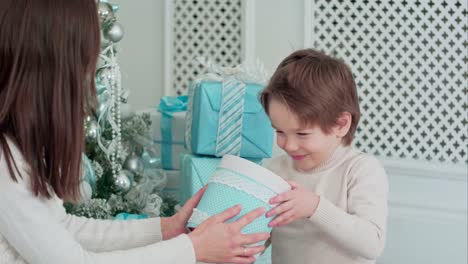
x=298 y=157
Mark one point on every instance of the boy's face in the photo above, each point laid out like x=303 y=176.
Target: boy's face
x=307 y=146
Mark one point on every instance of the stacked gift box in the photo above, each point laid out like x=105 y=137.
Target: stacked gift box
x=167 y=133
x=221 y=115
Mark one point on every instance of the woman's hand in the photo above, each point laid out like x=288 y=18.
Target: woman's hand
x=294 y=204
x=215 y=241
x=175 y=225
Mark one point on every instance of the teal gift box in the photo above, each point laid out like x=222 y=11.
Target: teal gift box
x=168 y=130
x=227 y=118
x=239 y=181
x=265 y=257
x=195 y=172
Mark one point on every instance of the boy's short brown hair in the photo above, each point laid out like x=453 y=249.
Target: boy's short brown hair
x=317 y=88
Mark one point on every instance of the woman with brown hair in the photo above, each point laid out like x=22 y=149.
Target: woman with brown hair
x=48 y=53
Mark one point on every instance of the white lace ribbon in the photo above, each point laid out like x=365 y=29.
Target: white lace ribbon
x=242 y=184
x=198 y=216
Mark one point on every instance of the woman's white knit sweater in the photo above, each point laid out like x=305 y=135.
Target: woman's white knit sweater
x=35 y=230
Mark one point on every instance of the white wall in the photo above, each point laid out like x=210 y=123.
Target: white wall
x=279 y=28
x=142 y=50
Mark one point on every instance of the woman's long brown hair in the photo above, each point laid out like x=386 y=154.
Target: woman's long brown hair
x=48 y=53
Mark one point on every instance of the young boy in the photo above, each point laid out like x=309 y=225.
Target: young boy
x=336 y=211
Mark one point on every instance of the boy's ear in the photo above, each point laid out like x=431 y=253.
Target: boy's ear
x=343 y=123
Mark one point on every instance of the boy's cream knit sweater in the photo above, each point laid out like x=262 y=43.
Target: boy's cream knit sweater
x=349 y=225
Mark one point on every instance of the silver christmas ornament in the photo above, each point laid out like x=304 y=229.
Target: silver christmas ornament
x=134 y=164
x=115 y=32
x=106 y=14
x=105 y=74
x=123 y=181
x=104 y=42
x=91 y=131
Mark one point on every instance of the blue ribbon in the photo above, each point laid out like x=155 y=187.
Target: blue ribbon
x=170 y=104
x=127 y=216
x=167 y=106
x=100 y=87
x=115 y=8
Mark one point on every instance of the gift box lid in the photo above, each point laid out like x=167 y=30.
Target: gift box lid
x=255 y=172
x=251 y=101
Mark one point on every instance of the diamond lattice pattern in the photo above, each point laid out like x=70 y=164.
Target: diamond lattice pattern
x=209 y=28
x=410 y=60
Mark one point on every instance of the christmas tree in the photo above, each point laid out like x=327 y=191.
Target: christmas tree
x=120 y=174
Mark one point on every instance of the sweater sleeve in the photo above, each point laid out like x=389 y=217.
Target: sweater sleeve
x=361 y=229
x=33 y=230
x=106 y=235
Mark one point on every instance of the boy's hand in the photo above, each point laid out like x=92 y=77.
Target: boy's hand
x=294 y=204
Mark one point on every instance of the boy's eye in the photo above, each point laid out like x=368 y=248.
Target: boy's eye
x=303 y=134
x=279 y=132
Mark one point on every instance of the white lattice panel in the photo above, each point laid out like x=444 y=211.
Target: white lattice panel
x=209 y=28
x=410 y=63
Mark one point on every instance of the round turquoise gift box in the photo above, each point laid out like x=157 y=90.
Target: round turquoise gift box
x=239 y=181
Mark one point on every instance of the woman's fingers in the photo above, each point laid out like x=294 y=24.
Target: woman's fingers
x=248 y=218
x=249 y=251
x=253 y=238
x=246 y=254
x=228 y=238
x=192 y=203
x=227 y=214
x=242 y=260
